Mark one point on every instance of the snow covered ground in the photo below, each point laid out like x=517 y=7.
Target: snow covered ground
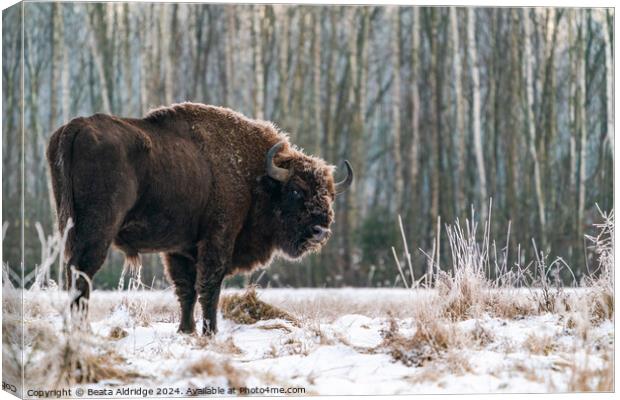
x=345 y=341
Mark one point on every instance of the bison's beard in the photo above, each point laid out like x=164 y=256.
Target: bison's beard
x=297 y=247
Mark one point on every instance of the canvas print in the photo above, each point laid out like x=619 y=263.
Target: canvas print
x=296 y=200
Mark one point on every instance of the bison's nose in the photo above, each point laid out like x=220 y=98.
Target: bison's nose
x=319 y=233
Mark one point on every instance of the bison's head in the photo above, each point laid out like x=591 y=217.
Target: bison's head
x=302 y=191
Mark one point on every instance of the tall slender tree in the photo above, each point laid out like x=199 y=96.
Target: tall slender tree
x=607 y=26
x=259 y=79
x=396 y=105
x=459 y=110
x=475 y=109
x=580 y=116
x=531 y=127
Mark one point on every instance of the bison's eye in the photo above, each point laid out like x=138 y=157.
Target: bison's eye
x=296 y=194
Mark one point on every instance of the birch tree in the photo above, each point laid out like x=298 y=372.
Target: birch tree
x=168 y=34
x=259 y=89
x=396 y=104
x=414 y=140
x=477 y=134
x=580 y=116
x=96 y=54
x=330 y=92
x=144 y=61
x=609 y=76
x=572 y=93
x=459 y=106
x=434 y=167
x=281 y=15
x=229 y=54
x=316 y=78
x=531 y=128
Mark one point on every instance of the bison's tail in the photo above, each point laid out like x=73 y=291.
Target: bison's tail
x=59 y=156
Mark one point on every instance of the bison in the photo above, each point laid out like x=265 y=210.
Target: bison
x=212 y=191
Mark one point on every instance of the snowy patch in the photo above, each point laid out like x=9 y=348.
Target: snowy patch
x=335 y=351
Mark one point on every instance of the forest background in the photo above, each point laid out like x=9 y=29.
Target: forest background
x=438 y=109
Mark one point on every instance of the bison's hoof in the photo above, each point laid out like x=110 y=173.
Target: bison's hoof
x=189 y=329
x=208 y=331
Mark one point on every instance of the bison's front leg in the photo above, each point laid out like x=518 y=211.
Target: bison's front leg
x=210 y=272
x=181 y=272
x=209 y=295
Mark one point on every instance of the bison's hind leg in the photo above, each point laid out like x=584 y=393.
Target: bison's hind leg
x=181 y=272
x=87 y=258
x=104 y=189
x=95 y=229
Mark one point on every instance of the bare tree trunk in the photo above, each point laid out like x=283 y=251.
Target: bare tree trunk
x=460 y=121
x=168 y=33
x=415 y=116
x=298 y=75
x=360 y=130
x=127 y=58
x=328 y=135
x=56 y=49
x=475 y=76
x=434 y=168
x=259 y=79
x=609 y=77
x=64 y=84
x=230 y=40
x=396 y=104
x=531 y=128
x=580 y=117
x=144 y=52
x=348 y=200
x=548 y=106
x=283 y=27
x=515 y=124
x=352 y=34
x=316 y=78
x=98 y=60
x=572 y=172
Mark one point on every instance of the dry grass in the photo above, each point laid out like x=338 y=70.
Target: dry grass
x=602 y=305
x=138 y=309
x=452 y=363
x=95 y=368
x=248 y=309
x=457 y=364
x=276 y=325
x=74 y=360
x=481 y=336
x=205 y=366
x=72 y=355
x=527 y=371
x=226 y=346
x=466 y=293
x=117 y=333
x=584 y=378
x=540 y=344
x=430 y=341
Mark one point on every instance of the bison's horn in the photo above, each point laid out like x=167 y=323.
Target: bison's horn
x=342 y=186
x=277 y=173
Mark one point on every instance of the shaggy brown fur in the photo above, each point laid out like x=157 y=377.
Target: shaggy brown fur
x=188 y=181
